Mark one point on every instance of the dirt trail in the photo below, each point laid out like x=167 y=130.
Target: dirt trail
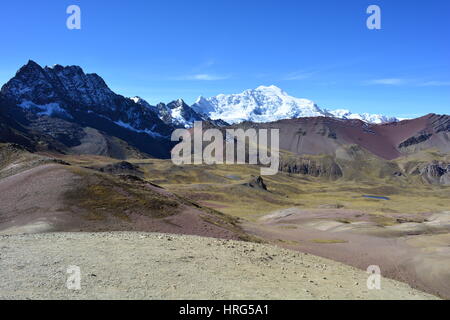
x=126 y=265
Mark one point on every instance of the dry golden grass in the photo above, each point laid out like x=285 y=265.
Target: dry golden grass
x=222 y=186
x=101 y=195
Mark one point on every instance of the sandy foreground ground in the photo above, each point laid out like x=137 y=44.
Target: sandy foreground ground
x=134 y=265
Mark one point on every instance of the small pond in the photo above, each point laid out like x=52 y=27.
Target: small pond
x=376 y=197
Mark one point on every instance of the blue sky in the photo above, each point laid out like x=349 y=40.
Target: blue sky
x=320 y=50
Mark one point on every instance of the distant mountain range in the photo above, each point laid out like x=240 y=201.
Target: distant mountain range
x=65 y=110
x=267 y=104
x=60 y=90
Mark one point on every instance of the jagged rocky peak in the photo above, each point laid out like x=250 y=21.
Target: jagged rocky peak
x=29 y=82
x=175 y=113
x=29 y=66
x=65 y=88
x=143 y=103
x=70 y=92
x=57 y=84
x=177 y=104
x=183 y=115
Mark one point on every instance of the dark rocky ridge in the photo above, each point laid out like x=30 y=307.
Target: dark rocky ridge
x=58 y=108
x=415 y=140
x=56 y=105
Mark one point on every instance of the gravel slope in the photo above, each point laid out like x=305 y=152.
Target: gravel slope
x=127 y=265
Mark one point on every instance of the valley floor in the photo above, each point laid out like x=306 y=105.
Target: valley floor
x=127 y=265
x=414 y=253
x=56 y=203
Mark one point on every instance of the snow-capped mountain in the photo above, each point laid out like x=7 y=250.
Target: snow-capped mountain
x=68 y=108
x=67 y=90
x=366 y=117
x=263 y=104
x=63 y=109
x=176 y=113
x=48 y=84
x=266 y=104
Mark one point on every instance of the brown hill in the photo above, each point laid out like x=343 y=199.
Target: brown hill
x=40 y=194
x=322 y=135
x=355 y=150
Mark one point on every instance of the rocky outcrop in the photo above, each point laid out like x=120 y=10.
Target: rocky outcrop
x=120 y=168
x=415 y=140
x=257 y=183
x=440 y=123
x=434 y=134
x=313 y=167
x=436 y=172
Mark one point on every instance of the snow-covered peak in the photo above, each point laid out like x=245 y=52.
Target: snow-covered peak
x=366 y=117
x=136 y=99
x=176 y=113
x=270 y=103
x=179 y=102
x=263 y=104
x=271 y=90
x=142 y=102
x=341 y=113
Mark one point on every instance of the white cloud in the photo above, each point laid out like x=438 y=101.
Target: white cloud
x=435 y=84
x=203 y=77
x=208 y=77
x=411 y=82
x=388 y=81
